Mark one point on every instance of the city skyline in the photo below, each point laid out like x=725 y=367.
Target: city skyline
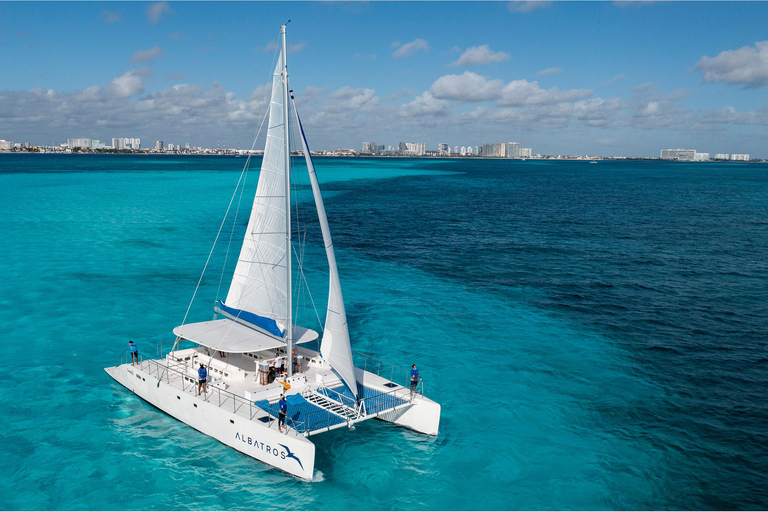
x=614 y=79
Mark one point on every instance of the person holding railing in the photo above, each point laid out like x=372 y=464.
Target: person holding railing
x=283 y=407
x=414 y=378
x=134 y=352
x=202 y=376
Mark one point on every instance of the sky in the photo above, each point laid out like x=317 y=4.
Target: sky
x=596 y=78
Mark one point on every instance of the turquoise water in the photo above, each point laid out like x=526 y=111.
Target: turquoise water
x=596 y=334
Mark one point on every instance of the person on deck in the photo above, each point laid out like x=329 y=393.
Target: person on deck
x=202 y=376
x=414 y=378
x=134 y=352
x=283 y=407
x=279 y=363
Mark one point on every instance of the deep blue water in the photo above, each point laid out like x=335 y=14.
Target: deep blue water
x=596 y=334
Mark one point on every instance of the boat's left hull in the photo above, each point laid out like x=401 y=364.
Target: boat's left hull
x=290 y=453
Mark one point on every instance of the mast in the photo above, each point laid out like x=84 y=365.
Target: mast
x=289 y=327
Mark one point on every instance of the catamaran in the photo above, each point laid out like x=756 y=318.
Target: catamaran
x=254 y=354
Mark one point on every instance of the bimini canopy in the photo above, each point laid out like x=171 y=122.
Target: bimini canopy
x=230 y=336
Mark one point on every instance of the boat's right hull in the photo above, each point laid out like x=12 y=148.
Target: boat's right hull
x=423 y=416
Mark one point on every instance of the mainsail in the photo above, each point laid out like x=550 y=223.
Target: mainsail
x=259 y=290
x=335 y=347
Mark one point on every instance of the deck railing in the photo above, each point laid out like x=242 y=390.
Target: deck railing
x=214 y=395
x=383 y=369
x=237 y=404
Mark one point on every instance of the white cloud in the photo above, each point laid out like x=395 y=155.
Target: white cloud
x=477 y=55
x=528 y=6
x=409 y=49
x=155 y=12
x=470 y=87
x=730 y=115
x=147 y=55
x=128 y=84
x=466 y=87
x=618 y=77
x=747 y=65
x=523 y=92
x=425 y=106
x=548 y=72
x=349 y=99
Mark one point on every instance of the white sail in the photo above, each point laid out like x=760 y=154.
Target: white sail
x=259 y=289
x=335 y=347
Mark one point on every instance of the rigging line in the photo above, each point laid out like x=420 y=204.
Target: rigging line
x=301 y=231
x=311 y=299
x=297 y=127
x=232 y=233
x=214 y=245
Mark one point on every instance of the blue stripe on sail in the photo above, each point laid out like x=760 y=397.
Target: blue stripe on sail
x=262 y=322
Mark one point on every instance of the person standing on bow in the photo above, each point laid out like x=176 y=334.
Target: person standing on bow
x=202 y=376
x=414 y=378
x=134 y=352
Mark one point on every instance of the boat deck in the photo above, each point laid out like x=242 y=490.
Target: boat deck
x=317 y=399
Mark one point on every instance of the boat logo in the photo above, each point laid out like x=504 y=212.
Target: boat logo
x=287 y=453
x=292 y=455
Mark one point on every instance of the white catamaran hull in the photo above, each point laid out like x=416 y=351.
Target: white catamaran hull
x=290 y=453
x=423 y=416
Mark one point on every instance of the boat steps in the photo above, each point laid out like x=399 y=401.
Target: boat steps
x=333 y=406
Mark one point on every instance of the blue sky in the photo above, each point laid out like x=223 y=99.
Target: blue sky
x=609 y=78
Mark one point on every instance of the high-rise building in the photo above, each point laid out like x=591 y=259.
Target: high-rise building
x=513 y=150
x=79 y=143
x=525 y=152
x=740 y=157
x=494 y=149
x=722 y=156
x=678 y=154
x=369 y=148
x=443 y=149
x=701 y=157
x=159 y=145
x=6 y=144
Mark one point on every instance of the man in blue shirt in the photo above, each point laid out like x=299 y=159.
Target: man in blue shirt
x=414 y=378
x=134 y=352
x=283 y=406
x=202 y=375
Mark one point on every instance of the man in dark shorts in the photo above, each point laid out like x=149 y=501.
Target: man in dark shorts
x=283 y=406
x=134 y=352
x=202 y=376
x=414 y=378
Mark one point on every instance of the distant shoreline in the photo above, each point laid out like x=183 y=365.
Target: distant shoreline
x=547 y=158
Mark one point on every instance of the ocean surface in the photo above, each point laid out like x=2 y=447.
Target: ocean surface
x=596 y=333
